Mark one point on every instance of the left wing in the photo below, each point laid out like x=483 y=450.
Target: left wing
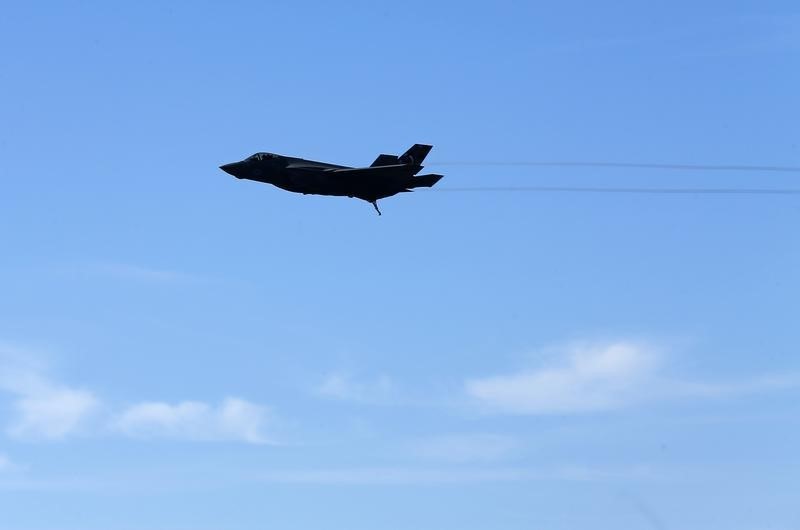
x=397 y=170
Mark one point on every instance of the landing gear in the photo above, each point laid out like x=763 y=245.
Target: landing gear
x=375 y=204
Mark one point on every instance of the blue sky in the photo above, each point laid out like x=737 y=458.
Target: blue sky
x=179 y=349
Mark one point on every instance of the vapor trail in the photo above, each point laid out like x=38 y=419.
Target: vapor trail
x=625 y=165
x=672 y=191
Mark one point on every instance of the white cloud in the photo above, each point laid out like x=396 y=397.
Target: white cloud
x=53 y=413
x=42 y=408
x=596 y=377
x=5 y=463
x=233 y=420
x=342 y=386
x=466 y=447
x=590 y=377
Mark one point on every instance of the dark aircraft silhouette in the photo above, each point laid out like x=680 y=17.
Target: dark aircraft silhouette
x=387 y=176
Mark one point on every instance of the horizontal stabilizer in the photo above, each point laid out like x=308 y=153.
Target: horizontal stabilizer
x=385 y=160
x=426 y=181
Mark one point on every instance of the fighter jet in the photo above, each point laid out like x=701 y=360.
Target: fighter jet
x=388 y=175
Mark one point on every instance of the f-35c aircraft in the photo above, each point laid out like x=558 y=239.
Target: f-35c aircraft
x=388 y=175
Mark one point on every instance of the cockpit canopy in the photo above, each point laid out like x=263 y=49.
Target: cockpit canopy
x=261 y=156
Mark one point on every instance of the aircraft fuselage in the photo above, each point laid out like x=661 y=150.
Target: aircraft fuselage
x=320 y=178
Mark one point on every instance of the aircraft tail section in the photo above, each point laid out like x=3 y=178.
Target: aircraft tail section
x=415 y=155
x=425 y=181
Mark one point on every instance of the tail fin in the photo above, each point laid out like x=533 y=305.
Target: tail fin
x=416 y=154
x=425 y=181
x=385 y=160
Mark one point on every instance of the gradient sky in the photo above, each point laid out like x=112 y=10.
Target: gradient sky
x=181 y=350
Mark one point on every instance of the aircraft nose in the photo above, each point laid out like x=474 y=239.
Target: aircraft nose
x=234 y=168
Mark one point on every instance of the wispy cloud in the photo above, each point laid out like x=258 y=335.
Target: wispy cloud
x=45 y=409
x=53 y=413
x=232 y=420
x=589 y=377
x=405 y=476
x=758 y=384
x=42 y=408
x=465 y=447
x=168 y=480
x=602 y=376
x=345 y=387
x=5 y=463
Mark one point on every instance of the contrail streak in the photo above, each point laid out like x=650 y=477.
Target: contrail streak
x=624 y=165
x=670 y=191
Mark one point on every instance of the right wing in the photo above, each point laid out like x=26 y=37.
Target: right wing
x=365 y=173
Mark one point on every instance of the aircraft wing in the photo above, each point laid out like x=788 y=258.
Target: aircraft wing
x=373 y=172
x=353 y=172
x=352 y=178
